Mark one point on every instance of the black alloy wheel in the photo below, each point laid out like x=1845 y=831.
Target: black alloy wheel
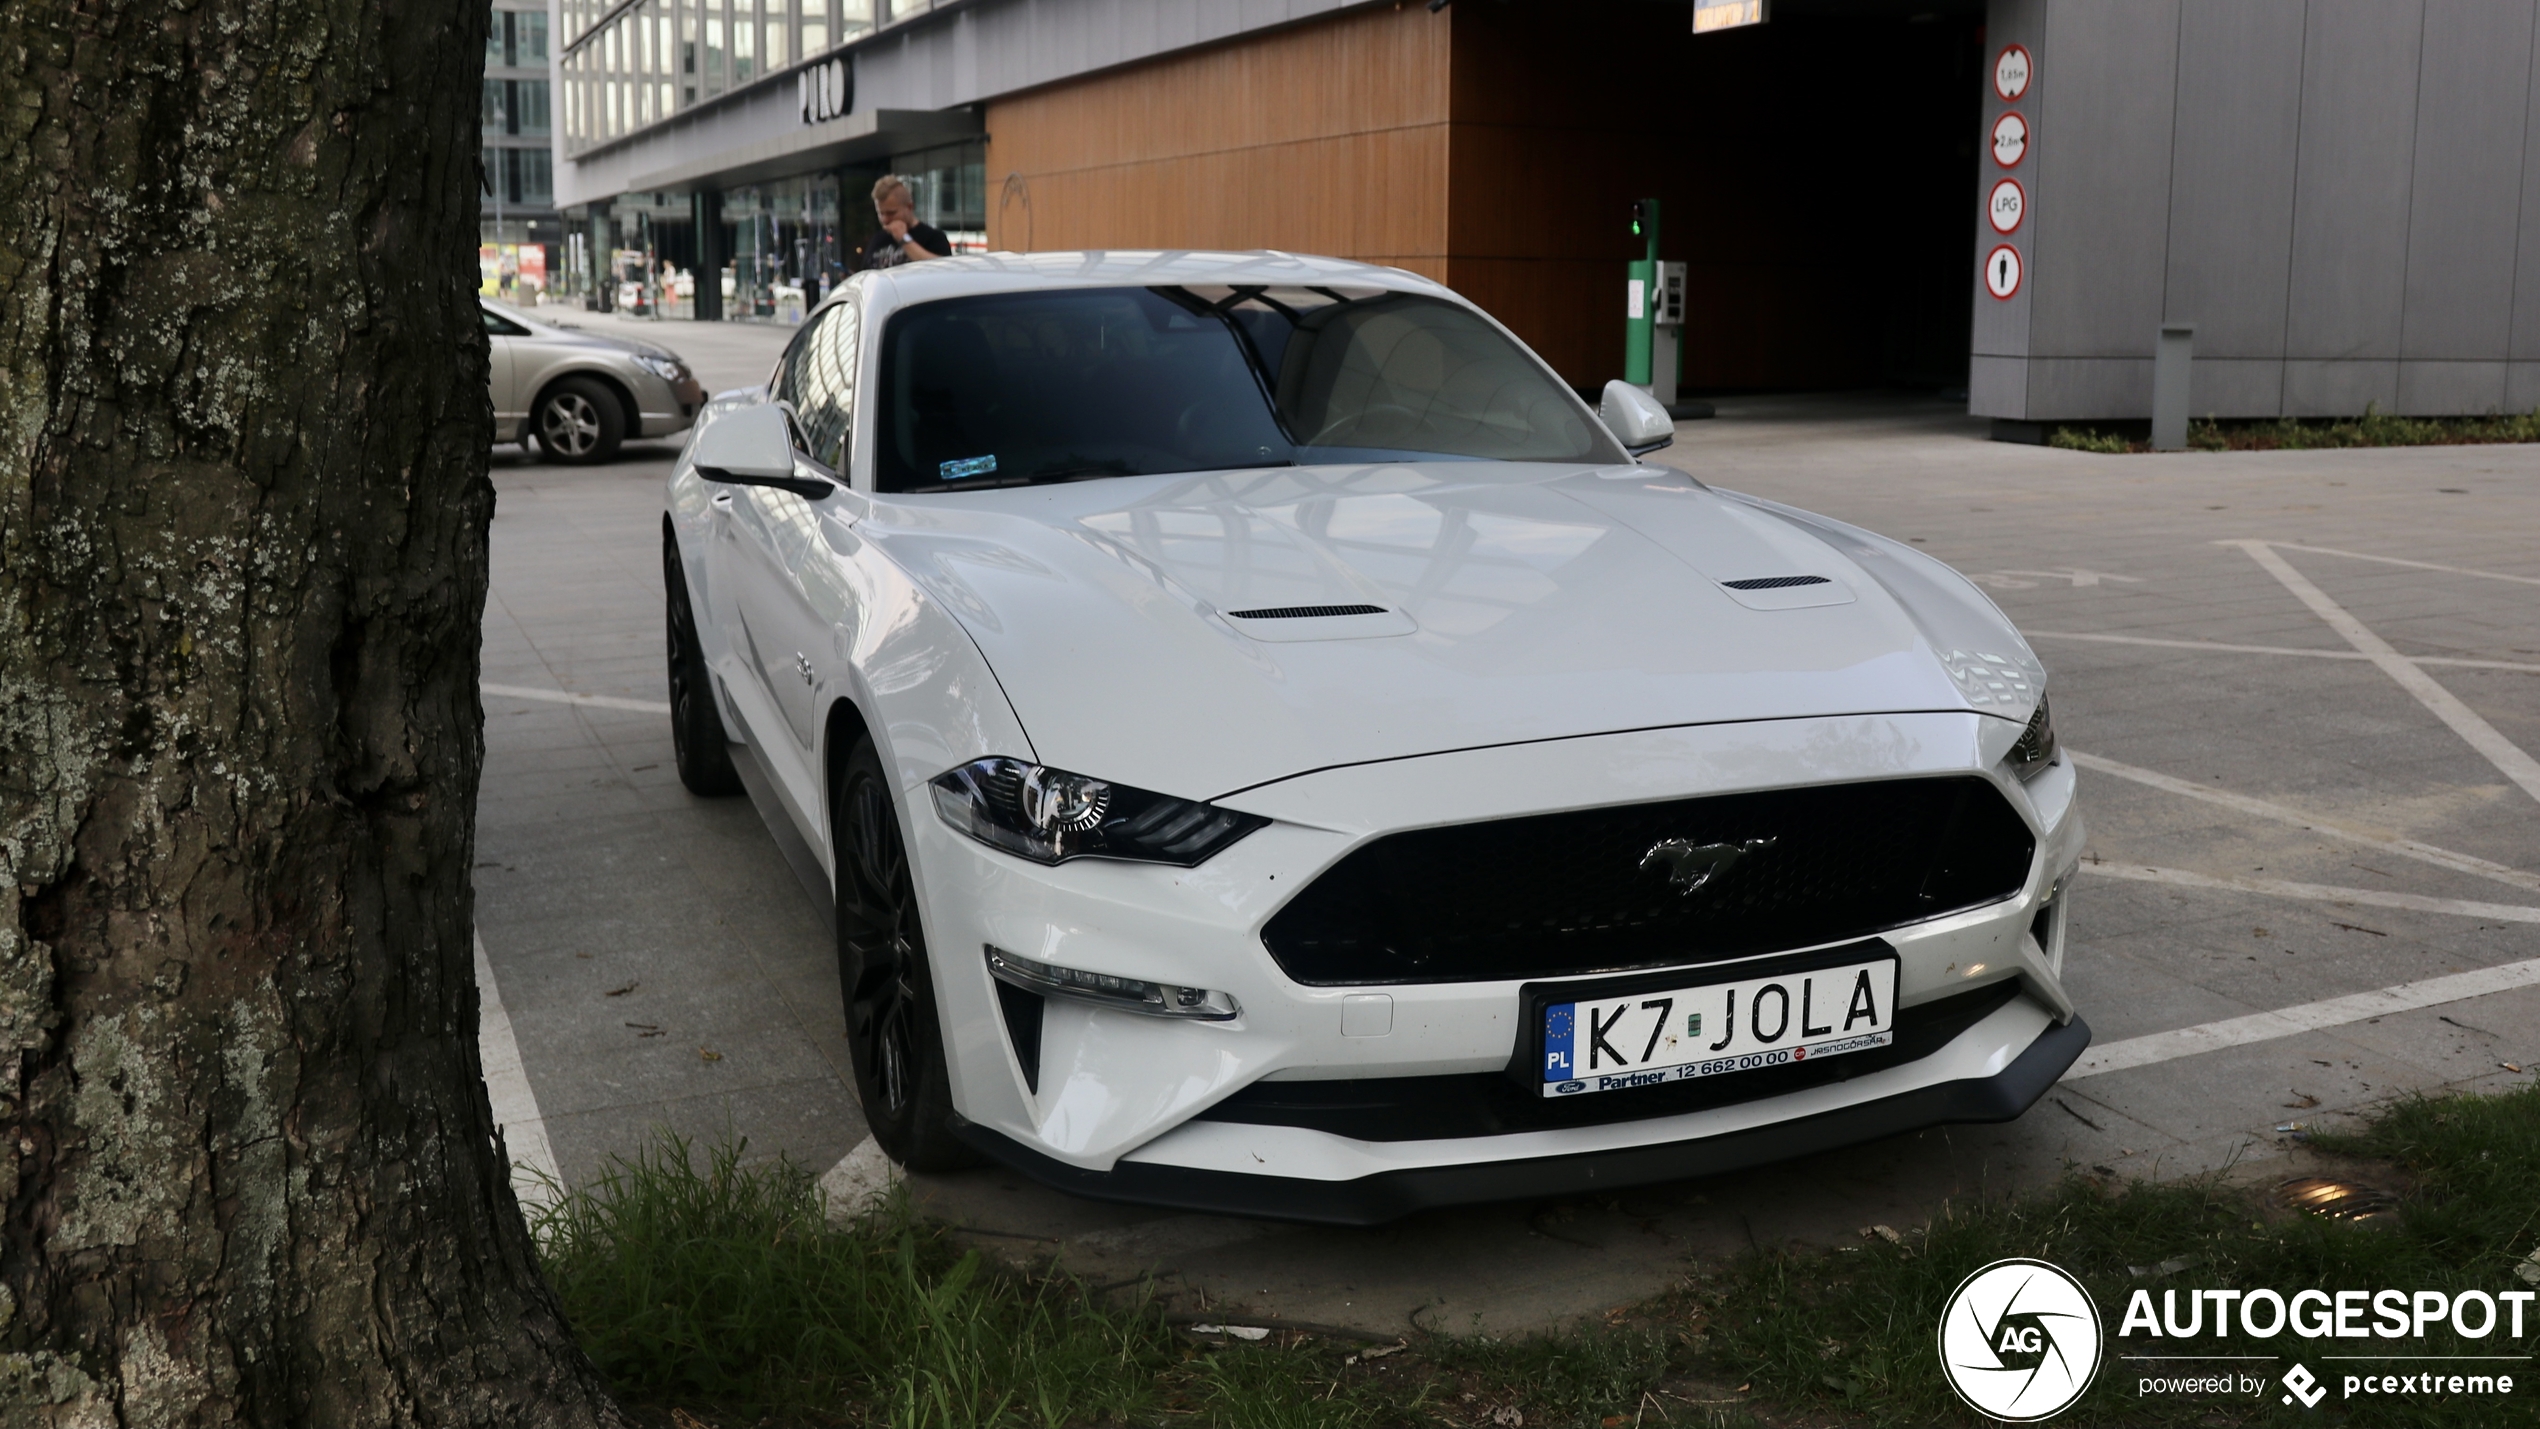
x=578 y=422
x=895 y=1036
x=696 y=726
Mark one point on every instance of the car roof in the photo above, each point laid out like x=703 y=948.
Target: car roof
x=1121 y=267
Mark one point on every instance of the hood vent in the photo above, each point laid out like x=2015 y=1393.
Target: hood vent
x=1307 y=612
x=1776 y=582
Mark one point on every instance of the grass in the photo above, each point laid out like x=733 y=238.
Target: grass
x=2374 y=428
x=714 y=1285
x=1856 y=1330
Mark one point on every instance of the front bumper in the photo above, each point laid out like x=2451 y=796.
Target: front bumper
x=1143 y=1108
x=666 y=407
x=1775 y=1133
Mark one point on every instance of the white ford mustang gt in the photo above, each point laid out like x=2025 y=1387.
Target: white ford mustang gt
x=1274 y=750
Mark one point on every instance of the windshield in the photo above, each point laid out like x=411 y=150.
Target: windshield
x=1014 y=388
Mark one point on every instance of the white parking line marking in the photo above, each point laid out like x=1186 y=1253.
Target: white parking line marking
x=2405 y=848
x=2076 y=577
x=2308 y=1017
x=2510 y=761
x=2420 y=565
x=2217 y=648
x=507 y=1087
x=2315 y=892
x=567 y=697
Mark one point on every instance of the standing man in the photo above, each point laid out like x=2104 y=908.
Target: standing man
x=903 y=239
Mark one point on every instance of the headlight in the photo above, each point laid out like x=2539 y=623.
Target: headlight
x=668 y=369
x=2036 y=747
x=1050 y=816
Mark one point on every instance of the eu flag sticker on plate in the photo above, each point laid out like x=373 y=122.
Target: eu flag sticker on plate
x=967 y=466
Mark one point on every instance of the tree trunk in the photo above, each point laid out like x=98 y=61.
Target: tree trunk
x=249 y=1170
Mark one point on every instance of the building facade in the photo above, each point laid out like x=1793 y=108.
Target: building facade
x=2342 y=195
x=520 y=235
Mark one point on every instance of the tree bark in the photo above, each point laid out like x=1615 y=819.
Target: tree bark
x=248 y=1168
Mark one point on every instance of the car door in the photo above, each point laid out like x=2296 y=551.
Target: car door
x=784 y=559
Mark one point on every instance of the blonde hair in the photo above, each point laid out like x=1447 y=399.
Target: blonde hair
x=882 y=188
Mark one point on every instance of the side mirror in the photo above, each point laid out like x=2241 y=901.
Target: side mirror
x=1635 y=418
x=752 y=446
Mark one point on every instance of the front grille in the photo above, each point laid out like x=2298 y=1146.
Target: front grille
x=1653 y=885
x=1305 y=612
x=1495 y=1103
x=1776 y=582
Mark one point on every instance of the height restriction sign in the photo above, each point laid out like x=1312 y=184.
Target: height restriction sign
x=2002 y=271
x=2010 y=72
x=2007 y=204
x=2010 y=139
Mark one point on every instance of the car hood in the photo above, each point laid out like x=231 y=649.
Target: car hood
x=559 y=334
x=1513 y=603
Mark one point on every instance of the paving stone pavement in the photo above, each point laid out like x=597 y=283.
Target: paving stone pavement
x=635 y=930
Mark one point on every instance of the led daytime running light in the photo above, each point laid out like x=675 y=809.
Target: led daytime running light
x=1126 y=994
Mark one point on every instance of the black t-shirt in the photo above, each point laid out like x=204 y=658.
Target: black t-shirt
x=884 y=251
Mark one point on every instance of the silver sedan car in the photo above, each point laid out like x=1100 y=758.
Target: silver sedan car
x=580 y=394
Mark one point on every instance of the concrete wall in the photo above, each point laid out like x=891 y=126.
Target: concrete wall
x=2342 y=195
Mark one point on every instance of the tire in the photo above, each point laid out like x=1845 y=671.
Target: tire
x=895 y=1034
x=696 y=726
x=579 y=421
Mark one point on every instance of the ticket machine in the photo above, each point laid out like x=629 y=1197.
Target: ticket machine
x=1653 y=312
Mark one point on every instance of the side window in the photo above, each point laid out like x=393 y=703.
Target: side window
x=820 y=369
x=498 y=326
x=786 y=385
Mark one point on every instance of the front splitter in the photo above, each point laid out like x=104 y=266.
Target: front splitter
x=1391 y=1195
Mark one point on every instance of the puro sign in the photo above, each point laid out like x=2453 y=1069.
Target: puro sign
x=826 y=91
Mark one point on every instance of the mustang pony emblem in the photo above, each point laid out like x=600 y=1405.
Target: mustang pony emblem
x=1691 y=865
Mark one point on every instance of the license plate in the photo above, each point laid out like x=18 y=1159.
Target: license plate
x=1675 y=1034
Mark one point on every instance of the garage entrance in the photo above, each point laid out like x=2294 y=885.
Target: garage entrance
x=1817 y=175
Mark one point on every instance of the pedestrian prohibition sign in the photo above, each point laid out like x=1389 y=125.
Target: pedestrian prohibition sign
x=2002 y=271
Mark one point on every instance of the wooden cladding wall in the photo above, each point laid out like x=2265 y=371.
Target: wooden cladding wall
x=1330 y=137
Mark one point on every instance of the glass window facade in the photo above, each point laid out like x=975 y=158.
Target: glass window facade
x=786 y=245
x=949 y=185
x=624 y=69
x=521 y=236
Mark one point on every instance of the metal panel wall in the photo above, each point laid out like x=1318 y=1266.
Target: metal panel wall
x=2350 y=217
x=2522 y=368
x=2345 y=207
x=1998 y=369
x=2231 y=204
x=2466 y=205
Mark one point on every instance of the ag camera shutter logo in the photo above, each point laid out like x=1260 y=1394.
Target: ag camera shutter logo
x=2020 y=1340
